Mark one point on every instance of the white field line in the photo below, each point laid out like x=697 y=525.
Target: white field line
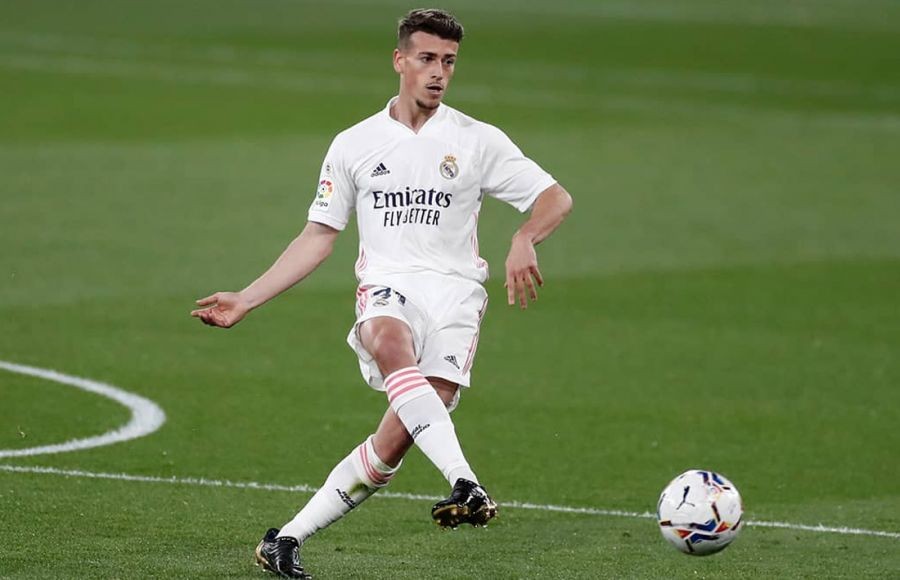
x=303 y=488
x=146 y=416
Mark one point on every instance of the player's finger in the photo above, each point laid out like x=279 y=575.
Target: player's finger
x=532 y=291
x=510 y=290
x=208 y=300
x=200 y=311
x=522 y=292
x=537 y=275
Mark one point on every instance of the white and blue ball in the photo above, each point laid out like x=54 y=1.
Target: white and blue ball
x=700 y=512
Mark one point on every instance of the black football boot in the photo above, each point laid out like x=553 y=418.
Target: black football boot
x=468 y=503
x=281 y=556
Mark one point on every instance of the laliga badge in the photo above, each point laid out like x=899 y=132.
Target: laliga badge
x=449 y=168
x=323 y=194
x=325 y=189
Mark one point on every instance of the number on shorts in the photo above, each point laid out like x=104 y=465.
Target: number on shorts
x=385 y=293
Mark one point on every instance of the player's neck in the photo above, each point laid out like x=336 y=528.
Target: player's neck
x=407 y=111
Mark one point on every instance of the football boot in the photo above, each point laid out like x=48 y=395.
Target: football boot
x=281 y=556
x=468 y=503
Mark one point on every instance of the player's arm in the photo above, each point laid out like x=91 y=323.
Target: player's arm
x=549 y=210
x=299 y=259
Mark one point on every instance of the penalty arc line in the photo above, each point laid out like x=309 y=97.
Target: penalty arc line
x=303 y=488
x=146 y=416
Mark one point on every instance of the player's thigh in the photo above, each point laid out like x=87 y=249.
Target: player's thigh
x=385 y=336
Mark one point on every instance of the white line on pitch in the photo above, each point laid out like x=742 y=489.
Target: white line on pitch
x=146 y=416
x=303 y=488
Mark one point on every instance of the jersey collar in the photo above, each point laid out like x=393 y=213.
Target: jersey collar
x=433 y=120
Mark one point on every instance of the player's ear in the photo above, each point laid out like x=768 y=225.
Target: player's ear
x=398 y=56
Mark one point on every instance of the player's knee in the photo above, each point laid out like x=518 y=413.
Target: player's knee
x=391 y=347
x=386 y=345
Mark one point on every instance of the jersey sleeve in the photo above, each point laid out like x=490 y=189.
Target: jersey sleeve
x=336 y=191
x=507 y=174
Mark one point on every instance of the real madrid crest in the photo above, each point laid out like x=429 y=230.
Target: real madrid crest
x=449 y=168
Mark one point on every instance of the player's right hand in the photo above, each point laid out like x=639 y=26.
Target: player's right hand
x=222 y=309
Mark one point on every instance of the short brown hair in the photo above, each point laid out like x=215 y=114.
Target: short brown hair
x=429 y=20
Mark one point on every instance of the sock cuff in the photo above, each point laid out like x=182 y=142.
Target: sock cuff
x=402 y=371
x=404 y=385
x=380 y=465
x=373 y=471
x=457 y=470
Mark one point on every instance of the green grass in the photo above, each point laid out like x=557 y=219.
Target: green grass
x=724 y=294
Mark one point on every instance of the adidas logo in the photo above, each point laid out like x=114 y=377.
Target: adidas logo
x=380 y=170
x=452 y=360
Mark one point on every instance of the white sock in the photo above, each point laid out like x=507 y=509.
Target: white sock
x=350 y=483
x=426 y=419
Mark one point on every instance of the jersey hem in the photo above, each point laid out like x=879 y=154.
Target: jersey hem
x=326 y=220
x=538 y=191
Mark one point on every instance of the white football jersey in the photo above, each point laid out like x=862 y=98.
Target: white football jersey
x=417 y=195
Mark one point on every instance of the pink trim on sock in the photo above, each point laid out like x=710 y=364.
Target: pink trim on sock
x=401 y=374
x=403 y=383
x=371 y=472
x=419 y=389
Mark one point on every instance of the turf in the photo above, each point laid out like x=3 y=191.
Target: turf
x=723 y=295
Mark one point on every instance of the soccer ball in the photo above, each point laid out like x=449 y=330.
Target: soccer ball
x=700 y=512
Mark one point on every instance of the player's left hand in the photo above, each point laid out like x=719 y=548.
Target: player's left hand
x=222 y=309
x=522 y=272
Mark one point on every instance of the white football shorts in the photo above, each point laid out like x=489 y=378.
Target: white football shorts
x=444 y=314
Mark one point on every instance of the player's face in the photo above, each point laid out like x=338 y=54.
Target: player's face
x=426 y=67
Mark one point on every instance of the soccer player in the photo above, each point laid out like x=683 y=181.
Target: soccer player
x=415 y=174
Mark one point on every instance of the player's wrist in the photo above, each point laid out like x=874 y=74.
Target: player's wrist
x=524 y=236
x=249 y=300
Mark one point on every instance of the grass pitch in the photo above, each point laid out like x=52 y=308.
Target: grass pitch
x=723 y=296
